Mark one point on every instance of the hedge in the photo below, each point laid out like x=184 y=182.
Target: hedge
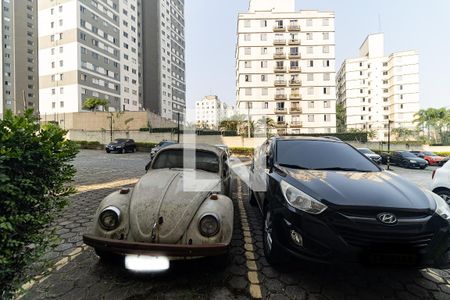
x=242 y=151
x=346 y=136
x=35 y=176
x=89 y=145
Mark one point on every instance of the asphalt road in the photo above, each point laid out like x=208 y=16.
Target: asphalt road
x=77 y=273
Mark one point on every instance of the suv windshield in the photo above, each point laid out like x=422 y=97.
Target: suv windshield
x=169 y=159
x=119 y=141
x=322 y=155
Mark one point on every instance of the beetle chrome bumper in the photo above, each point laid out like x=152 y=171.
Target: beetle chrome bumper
x=170 y=250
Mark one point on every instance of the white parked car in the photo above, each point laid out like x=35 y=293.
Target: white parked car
x=441 y=182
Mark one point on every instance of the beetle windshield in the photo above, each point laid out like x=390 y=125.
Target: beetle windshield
x=204 y=160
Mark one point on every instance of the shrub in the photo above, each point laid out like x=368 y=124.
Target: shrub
x=242 y=151
x=443 y=153
x=34 y=177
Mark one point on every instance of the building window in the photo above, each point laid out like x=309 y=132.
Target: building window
x=310 y=90
x=247 y=37
x=263 y=36
x=248 y=78
x=248 y=64
x=248 y=92
x=263 y=23
x=309 y=36
x=264 y=64
x=310 y=77
x=325 y=22
x=327 y=118
x=264 y=50
x=310 y=118
x=326 y=77
x=326 y=36
x=266 y=105
x=310 y=50
x=263 y=78
x=326 y=49
x=326 y=104
x=248 y=51
x=310 y=104
x=247 y=23
x=311 y=63
x=264 y=91
x=309 y=22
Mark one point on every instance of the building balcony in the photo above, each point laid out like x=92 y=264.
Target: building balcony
x=279 y=28
x=295 y=97
x=295 y=82
x=280 y=124
x=295 y=69
x=293 y=27
x=280 y=97
x=296 y=124
x=294 y=42
x=279 y=69
x=279 y=42
x=295 y=55
x=279 y=56
x=280 y=83
x=280 y=111
x=296 y=110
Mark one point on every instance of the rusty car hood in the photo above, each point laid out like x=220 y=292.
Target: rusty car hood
x=161 y=208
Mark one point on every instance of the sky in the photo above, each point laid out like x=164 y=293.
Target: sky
x=407 y=24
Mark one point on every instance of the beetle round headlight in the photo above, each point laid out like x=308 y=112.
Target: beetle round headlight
x=209 y=225
x=109 y=218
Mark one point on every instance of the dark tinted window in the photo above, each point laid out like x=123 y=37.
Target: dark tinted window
x=119 y=141
x=204 y=160
x=322 y=155
x=427 y=153
x=408 y=154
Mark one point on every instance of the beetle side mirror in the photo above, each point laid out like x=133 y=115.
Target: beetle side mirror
x=268 y=161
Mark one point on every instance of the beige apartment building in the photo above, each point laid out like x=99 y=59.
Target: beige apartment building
x=19 y=86
x=376 y=89
x=210 y=111
x=285 y=67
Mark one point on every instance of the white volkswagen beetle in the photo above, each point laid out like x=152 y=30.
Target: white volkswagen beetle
x=179 y=209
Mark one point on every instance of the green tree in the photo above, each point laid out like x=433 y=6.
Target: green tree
x=341 y=116
x=404 y=134
x=93 y=103
x=436 y=121
x=34 y=184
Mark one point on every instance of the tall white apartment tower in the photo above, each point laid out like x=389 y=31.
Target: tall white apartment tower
x=285 y=67
x=88 y=49
x=163 y=56
x=19 y=82
x=376 y=89
x=210 y=111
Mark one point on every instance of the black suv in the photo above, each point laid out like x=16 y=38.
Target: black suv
x=324 y=201
x=121 y=146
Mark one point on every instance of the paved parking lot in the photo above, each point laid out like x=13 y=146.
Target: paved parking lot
x=77 y=272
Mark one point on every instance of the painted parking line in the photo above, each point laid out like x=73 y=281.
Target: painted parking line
x=252 y=273
x=57 y=266
x=106 y=185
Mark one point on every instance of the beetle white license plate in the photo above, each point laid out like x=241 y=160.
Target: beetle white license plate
x=144 y=263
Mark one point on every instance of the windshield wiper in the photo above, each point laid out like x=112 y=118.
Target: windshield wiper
x=294 y=167
x=342 y=169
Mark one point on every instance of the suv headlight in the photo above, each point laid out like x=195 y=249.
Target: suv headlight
x=442 y=208
x=109 y=218
x=300 y=200
x=412 y=161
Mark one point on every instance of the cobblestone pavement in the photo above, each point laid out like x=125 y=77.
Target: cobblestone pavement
x=79 y=274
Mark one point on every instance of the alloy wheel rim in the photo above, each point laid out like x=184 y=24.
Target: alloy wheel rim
x=268 y=231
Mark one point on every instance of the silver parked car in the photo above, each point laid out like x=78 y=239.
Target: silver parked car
x=166 y=216
x=370 y=154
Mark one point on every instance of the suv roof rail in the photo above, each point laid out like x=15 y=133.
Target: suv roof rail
x=333 y=138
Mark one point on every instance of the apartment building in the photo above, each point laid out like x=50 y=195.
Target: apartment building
x=285 y=67
x=19 y=85
x=376 y=89
x=210 y=111
x=88 y=49
x=163 y=52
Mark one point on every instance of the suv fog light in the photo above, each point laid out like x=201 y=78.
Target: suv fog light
x=296 y=238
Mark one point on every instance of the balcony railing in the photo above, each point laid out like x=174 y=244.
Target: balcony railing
x=279 y=55
x=280 y=110
x=280 y=97
x=279 y=69
x=279 y=42
x=295 y=97
x=279 y=28
x=296 y=124
x=296 y=109
x=295 y=69
x=280 y=82
x=295 y=82
x=294 y=42
x=294 y=27
x=295 y=55
x=280 y=124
